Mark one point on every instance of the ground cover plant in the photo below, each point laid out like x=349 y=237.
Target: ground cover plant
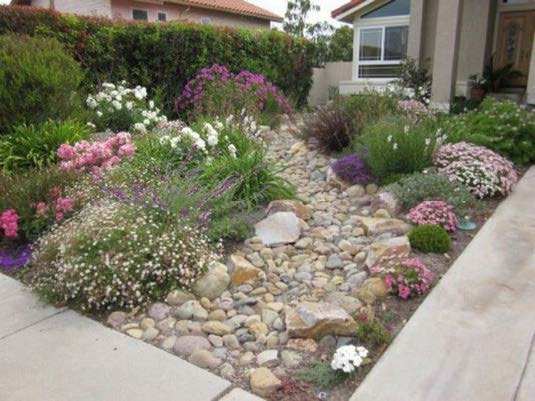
x=430 y=238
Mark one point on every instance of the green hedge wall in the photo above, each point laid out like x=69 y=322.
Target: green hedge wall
x=164 y=57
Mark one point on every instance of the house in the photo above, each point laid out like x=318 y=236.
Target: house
x=218 y=12
x=457 y=37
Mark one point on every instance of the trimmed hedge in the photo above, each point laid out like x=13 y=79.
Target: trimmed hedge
x=165 y=56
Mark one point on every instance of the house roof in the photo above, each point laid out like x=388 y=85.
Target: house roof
x=233 y=6
x=347 y=12
x=346 y=7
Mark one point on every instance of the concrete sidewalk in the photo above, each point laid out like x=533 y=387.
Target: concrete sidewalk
x=49 y=354
x=473 y=337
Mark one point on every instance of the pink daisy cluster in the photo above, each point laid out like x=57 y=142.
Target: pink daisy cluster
x=482 y=171
x=9 y=223
x=437 y=213
x=406 y=278
x=57 y=207
x=96 y=156
x=415 y=109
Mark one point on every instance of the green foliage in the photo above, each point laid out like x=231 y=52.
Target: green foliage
x=429 y=185
x=38 y=81
x=321 y=375
x=397 y=146
x=461 y=105
x=430 y=238
x=163 y=57
x=504 y=127
x=22 y=190
x=36 y=145
x=415 y=78
x=495 y=76
x=341 y=45
x=372 y=333
x=295 y=19
x=369 y=106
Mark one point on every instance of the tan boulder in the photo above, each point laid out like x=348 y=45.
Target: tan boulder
x=300 y=210
x=263 y=382
x=243 y=272
x=393 y=248
x=318 y=319
x=378 y=225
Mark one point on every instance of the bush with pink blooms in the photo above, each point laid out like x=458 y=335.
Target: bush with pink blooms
x=97 y=156
x=437 y=213
x=407 y=278
x=215 y=91
x=415 y=110
x=9 y=224
x=483 y=172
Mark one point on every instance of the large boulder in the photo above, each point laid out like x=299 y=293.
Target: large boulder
x=279 y=229
x=387 y=201
x=300 y=210
x=374 y=226
x=318 y=319
x=213 y=283
x=243 y=272
x=393 y=248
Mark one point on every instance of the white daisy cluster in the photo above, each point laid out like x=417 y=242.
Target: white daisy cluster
x=119 y=255
x=114 y=99
x=348 y=358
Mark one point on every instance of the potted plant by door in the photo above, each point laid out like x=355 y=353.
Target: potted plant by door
x=477 y=86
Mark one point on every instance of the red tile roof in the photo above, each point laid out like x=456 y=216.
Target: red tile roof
x=234 y=6
x=346 y=7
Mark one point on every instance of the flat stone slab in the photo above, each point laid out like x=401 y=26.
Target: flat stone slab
x=472 y=337
x=240 y=395
x=19 y=308
x=68 y=357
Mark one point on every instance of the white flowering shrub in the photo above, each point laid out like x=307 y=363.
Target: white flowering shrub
x=349 y=358
x=115 y=254
x=118 y=108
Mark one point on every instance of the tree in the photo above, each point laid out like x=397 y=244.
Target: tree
x=341 y=45
x=295 y=19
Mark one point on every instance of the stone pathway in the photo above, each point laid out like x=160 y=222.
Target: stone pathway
x=261 y=315
x=473 y=338
x=49 y=354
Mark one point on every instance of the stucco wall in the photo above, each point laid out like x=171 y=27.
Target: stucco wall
x=326 y=78
x=122 y=9
x=101 y=8
x=429 y=30
x=530 y=95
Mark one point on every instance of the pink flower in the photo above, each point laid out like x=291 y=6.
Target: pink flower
x=404 y=292
x=9 y=223
x=65 y=151
x=59 y=216
x=434 y=213
x=41 y=209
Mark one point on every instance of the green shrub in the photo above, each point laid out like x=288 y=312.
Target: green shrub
x=504 y=127
x=413 y=189
x=120 y=255
x=164 y=57
x=372 y=333
x=36 y=145
x=38 y=81
x=24 y=189
x=395 y=146
x=430 y=238
x=369 y=106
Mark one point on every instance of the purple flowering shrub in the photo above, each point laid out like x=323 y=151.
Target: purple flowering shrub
x=434 y=213
x=482 y=171
x=215 y=91
x=406 y=278
x=352 y=170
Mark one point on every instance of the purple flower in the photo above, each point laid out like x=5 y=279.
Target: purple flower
x=352 y=170
x=12 y=260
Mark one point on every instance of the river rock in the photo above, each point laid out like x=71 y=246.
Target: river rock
x=186 y=345
x=243 y=272
x=398 y=247
x=279 y=228
x=374 y=226
x=213 y=283
x=263 y=382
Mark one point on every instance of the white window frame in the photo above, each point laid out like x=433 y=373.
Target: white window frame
x=377 y=23
x=139 y=9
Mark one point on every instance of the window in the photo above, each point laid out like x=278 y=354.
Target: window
x=205 y=21
x=381 y=50
x=140 y=15
x=162 y=17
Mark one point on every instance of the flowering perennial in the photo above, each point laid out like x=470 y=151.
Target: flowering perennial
x=415 y=109
x=406 y=278
x=117 y=107
x=9 y=223
x=352 y=170
x=113 y=254
x=482 y=171
x=217 y=90
x=435 y=213
x=97 y=156
x=348 y=358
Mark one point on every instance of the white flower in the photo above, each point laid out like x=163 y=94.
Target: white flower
x=232 y=149
x=129 y=105
x=151 y=104
x=146 y=121
x=140 y=127
x=348 y=358
x=395 y=146
x=117 y=105
x=91 y=102
x=389 y=139
x=99 y=113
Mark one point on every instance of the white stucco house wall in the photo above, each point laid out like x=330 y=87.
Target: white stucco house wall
x=456 y=37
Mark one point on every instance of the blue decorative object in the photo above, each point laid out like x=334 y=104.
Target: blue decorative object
x=466 y=225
